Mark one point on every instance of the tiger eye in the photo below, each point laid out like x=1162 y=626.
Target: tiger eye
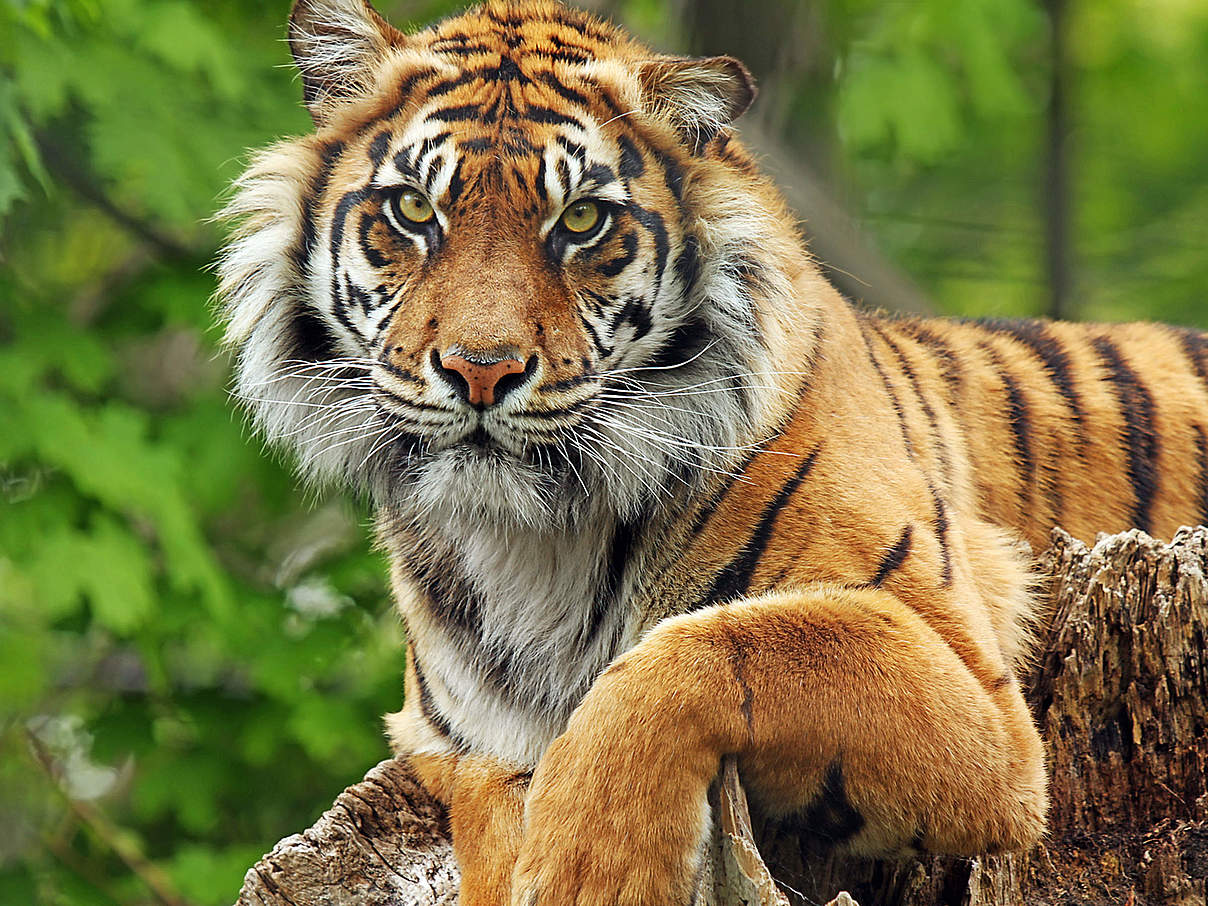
x=581 y=216
x=415 y=207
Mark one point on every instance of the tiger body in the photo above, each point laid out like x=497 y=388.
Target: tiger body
x=653 y=492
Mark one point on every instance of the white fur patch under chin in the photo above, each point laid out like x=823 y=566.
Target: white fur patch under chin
x=460 y=486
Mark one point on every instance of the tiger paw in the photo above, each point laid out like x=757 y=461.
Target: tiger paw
x=617 y=814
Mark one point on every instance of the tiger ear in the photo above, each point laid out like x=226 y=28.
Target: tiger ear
x=335 y=44
x=699 y=95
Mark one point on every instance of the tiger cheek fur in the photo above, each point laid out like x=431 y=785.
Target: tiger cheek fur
x=652 y=491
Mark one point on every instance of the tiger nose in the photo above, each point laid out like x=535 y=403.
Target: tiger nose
x=481 y=383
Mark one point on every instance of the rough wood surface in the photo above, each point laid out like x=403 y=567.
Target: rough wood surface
x=1120 y=691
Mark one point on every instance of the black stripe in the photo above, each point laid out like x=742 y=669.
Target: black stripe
x=1201 y=452
x=632 y=165
x=941 y=535
x=539 y=114
x=328 y=156
x=565 y=92
x=310 y=339
x=1136 y=405
x=624 y=539
x=598 y=175
x=946 y=358
x=572 y=149
x=1046 y=347
x=461 y=49
x=1019 y=415
x=478 y=145
x=710 y=506
x=735 y=577
x=653 y=221
x=1195 y=347
x=340 y=300
x=539 y=184
x=831 y=816
x=685 y=342
x=403 y=92
x=457 y=114
x=894 y=557
x=629 y=246
x=366 y=223
x=378 y=147
x=585 y=25
x=603 y=350
x=561 y=56
x=687 y=265
x=673 y=174
x=428 y=708
x=635 y=312
x=912 y=379
x=889 y=391
x=448 y=85
x=941 y=514
x=450 y=599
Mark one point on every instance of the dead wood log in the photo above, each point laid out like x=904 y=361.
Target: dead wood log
x=1120 y=690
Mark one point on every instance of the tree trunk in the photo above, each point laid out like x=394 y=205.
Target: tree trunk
x=1120 y=691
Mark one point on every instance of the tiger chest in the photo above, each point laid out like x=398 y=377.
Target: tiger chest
x=508 y=632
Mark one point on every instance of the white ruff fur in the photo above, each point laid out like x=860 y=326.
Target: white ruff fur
x=537 y=591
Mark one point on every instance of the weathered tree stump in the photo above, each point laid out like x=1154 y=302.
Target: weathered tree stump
x=1120 y=691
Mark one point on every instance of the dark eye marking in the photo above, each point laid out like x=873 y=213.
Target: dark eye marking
x=372 y=255
x=629 y=244
x=561 y=237
x=411 y=214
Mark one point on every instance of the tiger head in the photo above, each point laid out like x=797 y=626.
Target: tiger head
x=520 y=272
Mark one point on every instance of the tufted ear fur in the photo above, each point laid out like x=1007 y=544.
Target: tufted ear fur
x=699 y=95
x=335 y=44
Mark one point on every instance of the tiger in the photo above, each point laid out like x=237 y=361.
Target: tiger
x=653 y=493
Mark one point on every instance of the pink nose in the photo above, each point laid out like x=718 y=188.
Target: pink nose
x=482 y=381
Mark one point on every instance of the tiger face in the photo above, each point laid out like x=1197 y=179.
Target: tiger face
x=507 y=278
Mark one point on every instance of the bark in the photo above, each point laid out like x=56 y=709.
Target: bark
x=1119 y=690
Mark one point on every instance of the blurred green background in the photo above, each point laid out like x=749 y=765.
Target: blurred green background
x=195 y=652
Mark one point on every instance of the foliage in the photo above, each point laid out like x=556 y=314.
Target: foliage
x=201 y=651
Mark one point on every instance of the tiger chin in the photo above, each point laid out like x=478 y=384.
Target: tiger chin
x=653 y=492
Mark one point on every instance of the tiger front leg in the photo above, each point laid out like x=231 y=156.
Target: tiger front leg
x=844 y=708
x=485 y=799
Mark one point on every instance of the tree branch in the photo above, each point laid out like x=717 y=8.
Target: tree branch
x=64 y=167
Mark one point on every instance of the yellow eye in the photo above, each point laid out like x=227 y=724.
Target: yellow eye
x=581 y=217
x=414 y=207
